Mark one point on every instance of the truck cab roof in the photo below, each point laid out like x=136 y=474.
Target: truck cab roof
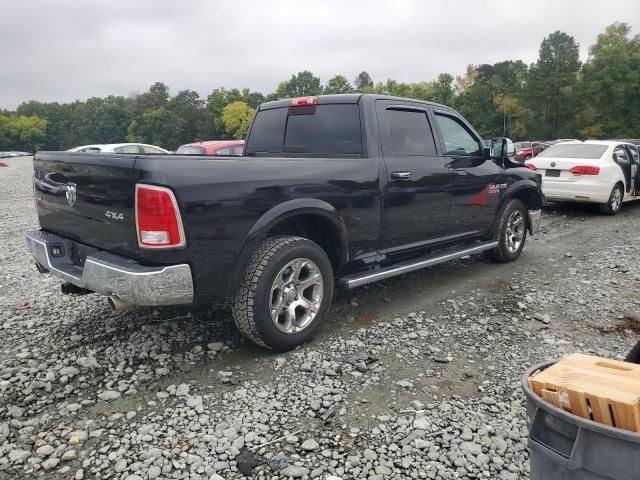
x=347 y=98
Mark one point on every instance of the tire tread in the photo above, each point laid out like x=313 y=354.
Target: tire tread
x=500 y=253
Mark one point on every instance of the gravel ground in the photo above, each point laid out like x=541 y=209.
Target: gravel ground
x=415 y=377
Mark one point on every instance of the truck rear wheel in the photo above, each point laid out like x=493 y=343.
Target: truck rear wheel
x=285 y=294
x=510 y=231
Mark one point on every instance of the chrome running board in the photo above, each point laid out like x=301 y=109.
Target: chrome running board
x=362 y=279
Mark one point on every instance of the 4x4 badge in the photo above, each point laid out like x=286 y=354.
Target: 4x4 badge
x=71 y=193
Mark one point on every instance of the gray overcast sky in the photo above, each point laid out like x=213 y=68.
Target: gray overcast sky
x=68 y=49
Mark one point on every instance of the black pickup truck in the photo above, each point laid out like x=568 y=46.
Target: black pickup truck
x=332 y=190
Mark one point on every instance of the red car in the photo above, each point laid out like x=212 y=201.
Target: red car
x=526 y=150
x=213 y=147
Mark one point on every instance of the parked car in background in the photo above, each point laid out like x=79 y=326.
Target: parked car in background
x=135 y=148
x=596 y=171
x=527 y=150
x=533 y=149
x=522 y=145
x=213 y=147
x=14 y=154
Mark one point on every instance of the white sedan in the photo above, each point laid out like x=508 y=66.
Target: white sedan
x=603 y=172
x=136 y=148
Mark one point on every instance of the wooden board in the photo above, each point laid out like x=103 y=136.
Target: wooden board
x=603 y=390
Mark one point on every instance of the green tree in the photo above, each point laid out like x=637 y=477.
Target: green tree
x=19 y=132
x=111 y=120
x=154 y=127
x=363 y=80
x=157 y=96
x=611 y=85
x=443 y=91
x=187 y=112
x=300 y=85
x=237 y=117
x=552 y=84
x=212 y=126
x=466 y=81
x=56 y=116
x=338 y=84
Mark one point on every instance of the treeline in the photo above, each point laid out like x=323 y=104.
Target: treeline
x=555 y=97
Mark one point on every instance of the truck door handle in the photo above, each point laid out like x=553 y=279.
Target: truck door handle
x=401 y=175
x=460 y=172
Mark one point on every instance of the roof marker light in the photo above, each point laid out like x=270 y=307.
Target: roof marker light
x=301 y=101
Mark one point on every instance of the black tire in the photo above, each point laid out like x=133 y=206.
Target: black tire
x=612 y=207
x=502 y=253
x=252 y=306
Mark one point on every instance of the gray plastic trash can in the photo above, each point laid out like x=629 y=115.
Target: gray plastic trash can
x=563 y=446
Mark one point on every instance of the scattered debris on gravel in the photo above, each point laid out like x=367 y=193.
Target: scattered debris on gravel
x=416 y=377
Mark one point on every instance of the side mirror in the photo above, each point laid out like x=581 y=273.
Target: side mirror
x=503 y=147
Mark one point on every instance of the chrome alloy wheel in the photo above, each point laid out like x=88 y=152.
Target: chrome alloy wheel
x=515 y=231
x=616 y=199
x=296 y=295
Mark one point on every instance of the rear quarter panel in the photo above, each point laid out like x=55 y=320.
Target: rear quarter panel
x=221 y=199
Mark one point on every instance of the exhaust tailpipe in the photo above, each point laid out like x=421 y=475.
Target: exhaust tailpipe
x=117 y=304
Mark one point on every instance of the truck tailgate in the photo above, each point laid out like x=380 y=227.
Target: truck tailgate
x=88 y=198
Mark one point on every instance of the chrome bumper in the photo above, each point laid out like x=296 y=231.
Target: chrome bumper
x=110 y=274
x=535 y=217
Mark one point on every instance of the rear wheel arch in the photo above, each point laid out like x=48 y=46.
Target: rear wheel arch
x=316 y=220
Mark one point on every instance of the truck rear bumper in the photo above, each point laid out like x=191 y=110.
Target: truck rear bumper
x=110 y=274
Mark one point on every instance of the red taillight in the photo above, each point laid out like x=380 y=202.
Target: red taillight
x=585 y=170
x=530 y=166
x=158 y=218
x=298 y=102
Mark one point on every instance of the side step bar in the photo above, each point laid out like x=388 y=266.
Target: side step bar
x=359 y=280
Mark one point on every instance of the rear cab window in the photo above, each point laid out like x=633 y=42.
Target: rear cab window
x=575 y=150
x=409 y=132
x=326 y=129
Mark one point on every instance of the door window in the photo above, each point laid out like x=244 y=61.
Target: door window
x=409 y=133
x=148 y=149
x=127 y=149
x=620 y=156
x=457 y=139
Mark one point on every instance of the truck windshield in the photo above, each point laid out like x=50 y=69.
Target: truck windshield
x=574 y=150
x=332 y=129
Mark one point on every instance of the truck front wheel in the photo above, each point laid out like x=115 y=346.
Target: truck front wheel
x=285 y=294
x=510 y=231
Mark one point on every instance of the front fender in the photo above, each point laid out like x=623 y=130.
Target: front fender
x=279 y=214
x=530 y=186
x=530 y=192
